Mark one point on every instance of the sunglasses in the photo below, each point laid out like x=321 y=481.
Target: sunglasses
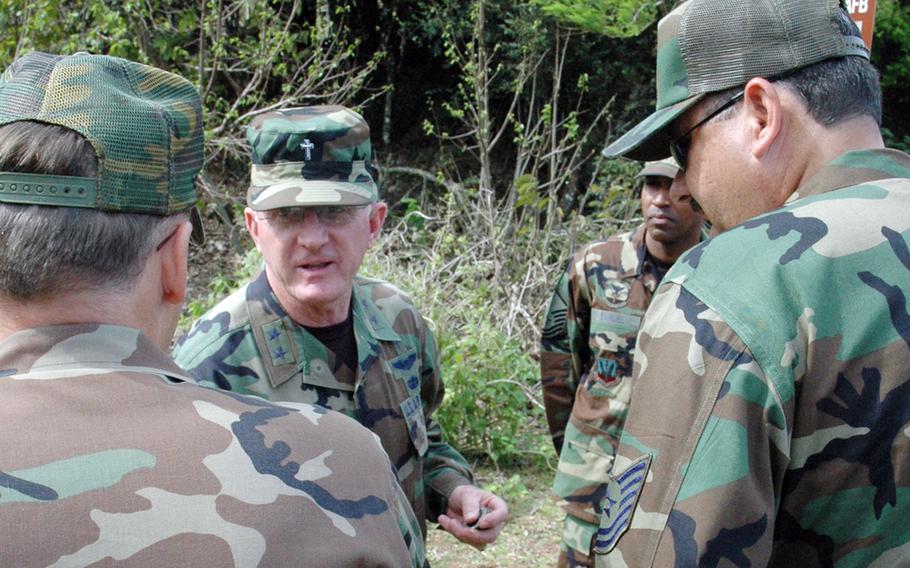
x=679 y=146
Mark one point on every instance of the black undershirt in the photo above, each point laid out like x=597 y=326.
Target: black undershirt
x=339 y=339
x=660 y=267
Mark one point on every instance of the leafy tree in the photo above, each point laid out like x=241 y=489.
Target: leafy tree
x=891 y=54
x=613 y=18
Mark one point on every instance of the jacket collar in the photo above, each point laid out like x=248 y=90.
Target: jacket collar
x=91 y=348
x=365 y=309
x=855 y=168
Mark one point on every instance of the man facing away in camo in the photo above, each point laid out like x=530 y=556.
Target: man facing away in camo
x=588 y=341
x=109 y=452
x=308 y=328
x=769 y=423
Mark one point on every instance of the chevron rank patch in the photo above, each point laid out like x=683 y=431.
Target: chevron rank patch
x=618 y=504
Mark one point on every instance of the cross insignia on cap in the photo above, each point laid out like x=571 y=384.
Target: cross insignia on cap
x=307 y=145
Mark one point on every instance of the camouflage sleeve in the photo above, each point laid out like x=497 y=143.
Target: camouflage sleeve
x=706 y=429
x=409 y=527
x=219 y=355
x=444 y=468
x=197 y=351
x=560 y=350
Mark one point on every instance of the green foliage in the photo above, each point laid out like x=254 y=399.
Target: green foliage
x=487 y=411
x=893 y=141
x=486 y=298
x=613 y=18
x=891 y=55
x=243 y=55
x=610 y=199
x=219 y=287
x=512 y=490
x=891 y=43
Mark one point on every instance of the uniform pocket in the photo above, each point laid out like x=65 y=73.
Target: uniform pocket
x=612 y=341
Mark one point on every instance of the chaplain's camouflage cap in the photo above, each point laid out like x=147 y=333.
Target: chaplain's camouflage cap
x=306 y=156
x=144 y=124
x=663 y=168
x=704 y=46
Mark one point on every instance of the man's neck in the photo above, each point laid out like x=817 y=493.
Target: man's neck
x=823 y=144
x=91 y=306
x=65 y=309
x=669 y=252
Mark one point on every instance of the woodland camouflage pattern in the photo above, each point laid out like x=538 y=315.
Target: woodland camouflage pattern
x=148 y=168
x=96 y=466
x=586 y=365
x=785 y=439
x=248 y=344
x=317 y=155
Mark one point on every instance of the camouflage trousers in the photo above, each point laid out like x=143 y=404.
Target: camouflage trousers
x=577 y=536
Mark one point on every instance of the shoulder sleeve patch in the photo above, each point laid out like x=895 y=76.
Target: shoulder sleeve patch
x=619 y=503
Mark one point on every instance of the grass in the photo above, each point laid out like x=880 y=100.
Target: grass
x=531 y=537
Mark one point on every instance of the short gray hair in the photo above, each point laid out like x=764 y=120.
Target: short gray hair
x=48 y=250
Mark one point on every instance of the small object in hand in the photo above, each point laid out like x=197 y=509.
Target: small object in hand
x=483 y=511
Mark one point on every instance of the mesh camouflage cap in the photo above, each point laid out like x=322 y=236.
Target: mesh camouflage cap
x=317 y=155
x=144 y=124
x=704 y=46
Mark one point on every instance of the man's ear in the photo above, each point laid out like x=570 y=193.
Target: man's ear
x=378 y=212
x=765 y=113
x=173 y=256
x=252 y=224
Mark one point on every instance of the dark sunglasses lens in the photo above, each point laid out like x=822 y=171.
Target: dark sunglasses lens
x=678 y=150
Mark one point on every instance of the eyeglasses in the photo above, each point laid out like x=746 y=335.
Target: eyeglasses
x=166 y=239
x=679 y=146
x=328 y=215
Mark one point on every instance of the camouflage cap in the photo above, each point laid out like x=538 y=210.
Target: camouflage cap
x=663 y=168
x=144 y=124
x=704 y=46
x=317 y=155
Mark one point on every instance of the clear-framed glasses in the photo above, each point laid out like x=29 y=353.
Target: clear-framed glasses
x=328 y=215
x=679 y=146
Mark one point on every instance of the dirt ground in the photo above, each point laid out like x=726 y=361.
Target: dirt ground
x=529 y=540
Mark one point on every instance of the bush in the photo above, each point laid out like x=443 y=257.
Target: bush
x=492 y=406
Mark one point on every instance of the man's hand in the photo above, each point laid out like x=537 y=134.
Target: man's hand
x=474 y=516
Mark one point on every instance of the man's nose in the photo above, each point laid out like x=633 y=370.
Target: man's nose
x=661 y=197
x=679 y=190
x=312 y=232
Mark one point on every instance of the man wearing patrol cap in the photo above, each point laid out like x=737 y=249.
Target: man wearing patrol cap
x=770 y=412
x=109 y=452
x=588 y=340
x=308 y=328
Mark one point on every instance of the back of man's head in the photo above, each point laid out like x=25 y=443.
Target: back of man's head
x=98 y=159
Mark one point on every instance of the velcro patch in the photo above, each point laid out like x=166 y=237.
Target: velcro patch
x=619 y=503
x=278 y=343
x=412 y=408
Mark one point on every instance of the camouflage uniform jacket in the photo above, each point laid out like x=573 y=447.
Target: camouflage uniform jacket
x=586 y=364
x=107 y=455
x=770 y=419
x=248 y=344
